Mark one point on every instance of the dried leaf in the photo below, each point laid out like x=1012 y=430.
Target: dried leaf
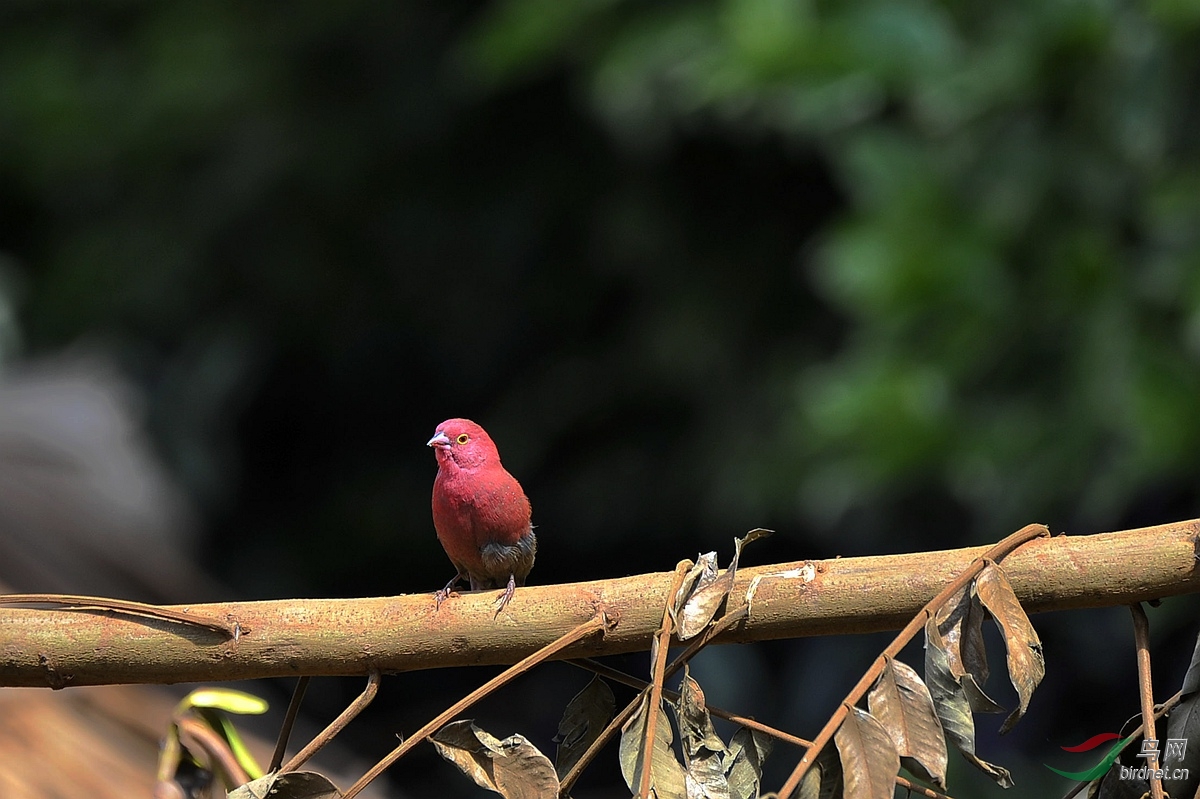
x=582 y=722
x=1191 y=679
x=513 y=767
x=696 y=729
x=960 y=621
x=703 y=749
x=810 y=785
x=1111 y=786
x=522 y=771
x=979 y=701
x=744 y=762
x=709 y=591
x=1026 y=666
x=823 y=780
x=869 y=759
x=1184 y=723
x=951 y=705
x=457 y=743
x=705 y=777
x=667 y=780
x=902 y=704
x=293 y=785
x=702 y=573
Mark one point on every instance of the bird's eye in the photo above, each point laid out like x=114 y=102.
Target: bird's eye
x=463 y=438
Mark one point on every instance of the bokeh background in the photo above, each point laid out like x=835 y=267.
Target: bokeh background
x=882 y=275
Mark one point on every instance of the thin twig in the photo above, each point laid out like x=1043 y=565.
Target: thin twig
x=606 y=735
x=656 y=685
x=79 y=602
x=1141 y=639
x=289 y=719
x=338 y=724
x=1025 y=534
x=598 y=622
x=923 y=790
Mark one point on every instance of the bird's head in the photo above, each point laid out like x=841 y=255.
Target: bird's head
x=464 y=444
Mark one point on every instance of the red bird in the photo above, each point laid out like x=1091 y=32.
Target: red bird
x=480 y=512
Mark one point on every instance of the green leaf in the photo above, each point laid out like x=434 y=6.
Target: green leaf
x=226 y=699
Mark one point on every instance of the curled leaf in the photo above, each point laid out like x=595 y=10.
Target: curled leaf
x=695 y=724
x=700 y=604
x=293 y=785
x=960 y=622
x=703 y=749
x=513 y=767
x=1026 y=666
x=951 y=705
x=824 y=779
x=1184 y=724
x=744 y=763
x=582 y=721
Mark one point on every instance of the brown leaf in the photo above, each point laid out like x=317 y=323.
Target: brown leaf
x=951 y=705
x=696 y=729
x=705 y=777
x=744 y=762
x=823 y=780
x=703 y=749
x=960 y=621
x=293 y=785
x=513 y=767
x=457 y=743
x=902 y=704
x=667 y=780
x=703 y=600
x=810 y=785
x=702 y=574
x=521 y=770
x=582 y=722
x=1026 y=667
x=869 y=759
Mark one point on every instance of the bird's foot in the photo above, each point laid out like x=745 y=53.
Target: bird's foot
x=442 y=595
x=507 y=595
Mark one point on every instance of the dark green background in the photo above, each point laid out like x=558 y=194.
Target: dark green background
x=881 y=276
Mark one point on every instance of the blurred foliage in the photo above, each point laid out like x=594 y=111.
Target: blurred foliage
x=1018 y=258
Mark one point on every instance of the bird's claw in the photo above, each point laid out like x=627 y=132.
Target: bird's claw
x=507 y=595
x=441 y=596
x=445 y=593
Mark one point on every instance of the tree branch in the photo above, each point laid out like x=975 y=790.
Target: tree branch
x=322 y=637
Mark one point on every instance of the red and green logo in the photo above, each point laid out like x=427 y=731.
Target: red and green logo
x=1104 y=765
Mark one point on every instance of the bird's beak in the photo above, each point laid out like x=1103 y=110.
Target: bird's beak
x=439 y=440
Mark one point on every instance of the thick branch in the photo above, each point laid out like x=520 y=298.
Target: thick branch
x=319 y=637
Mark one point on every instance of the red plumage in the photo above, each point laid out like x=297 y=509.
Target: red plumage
x=480 y=512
